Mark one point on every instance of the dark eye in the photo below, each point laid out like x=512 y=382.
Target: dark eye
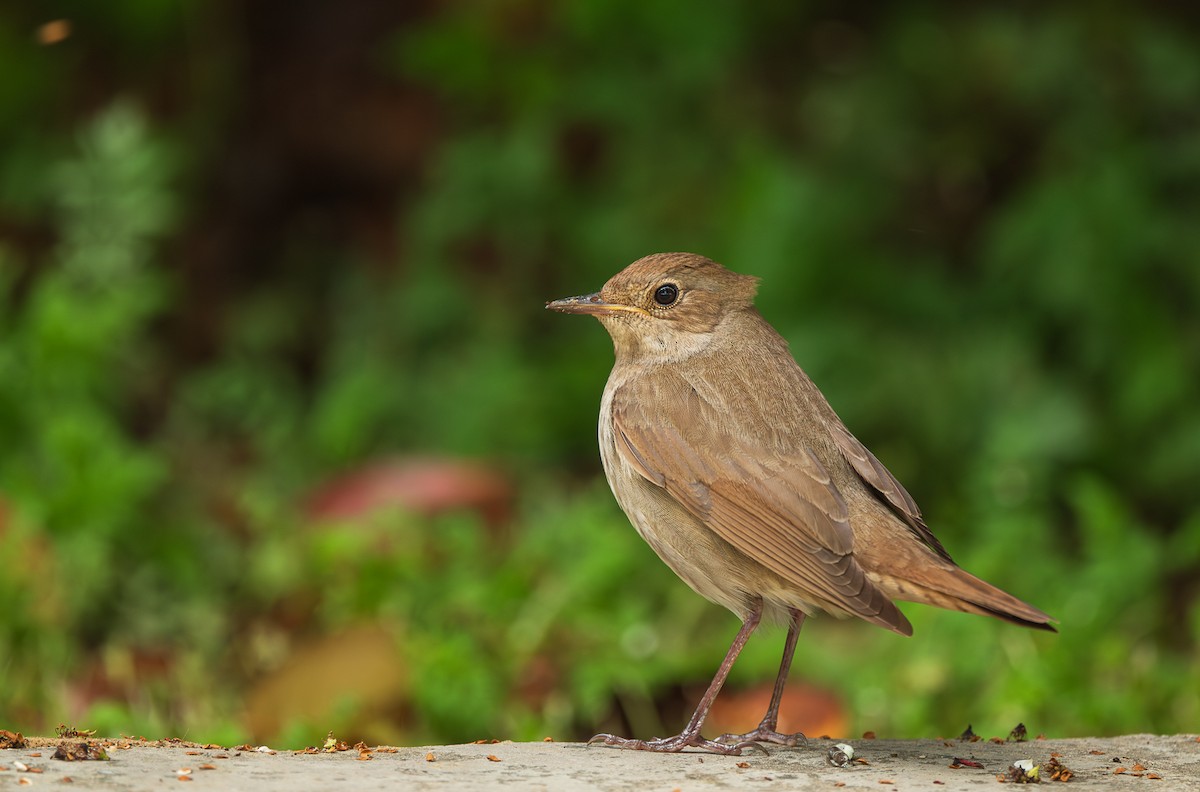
x=666 y=294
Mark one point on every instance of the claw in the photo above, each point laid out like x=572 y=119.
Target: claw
x=675 y=744
x=764 y=735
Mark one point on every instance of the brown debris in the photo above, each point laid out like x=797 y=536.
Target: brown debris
x=333 y=744
x=63 y=730
x=12 y=739
x=1015 y=774
x=1056 y=770
x=82 y=751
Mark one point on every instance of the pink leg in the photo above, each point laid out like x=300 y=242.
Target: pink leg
x=690 y=736
x=766 y=729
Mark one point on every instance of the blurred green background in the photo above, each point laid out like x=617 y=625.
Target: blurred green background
x=289 y=444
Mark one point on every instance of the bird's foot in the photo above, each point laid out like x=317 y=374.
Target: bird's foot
x=676 y=744
x=764 y=733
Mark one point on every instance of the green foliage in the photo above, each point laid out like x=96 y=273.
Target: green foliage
x=72 y=477
x=975 y=226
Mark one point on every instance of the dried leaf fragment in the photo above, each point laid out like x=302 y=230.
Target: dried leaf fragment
x=1056 y=770
x=63 y=730
x=333 y=744
x=69 y=751
x=1022 y=771
x=10 y=739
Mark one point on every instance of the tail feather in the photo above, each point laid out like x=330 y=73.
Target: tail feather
x=953 y=588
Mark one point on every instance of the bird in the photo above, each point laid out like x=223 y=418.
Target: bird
x=733 y=467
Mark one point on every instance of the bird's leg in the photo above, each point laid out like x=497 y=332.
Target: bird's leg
x=766 y=731
x=690 y=736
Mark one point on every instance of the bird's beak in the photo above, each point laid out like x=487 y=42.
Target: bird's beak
x=590 y=304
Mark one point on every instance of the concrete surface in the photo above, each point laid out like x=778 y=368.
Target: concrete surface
x=1149 y=762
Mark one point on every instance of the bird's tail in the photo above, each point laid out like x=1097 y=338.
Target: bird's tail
x=953 y=588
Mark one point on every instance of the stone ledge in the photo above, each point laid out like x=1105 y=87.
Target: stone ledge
x=1163 y=763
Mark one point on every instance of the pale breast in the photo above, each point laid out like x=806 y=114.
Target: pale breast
x=708 y=564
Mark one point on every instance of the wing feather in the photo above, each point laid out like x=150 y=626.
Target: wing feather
x=782 y=511
x=878 y=478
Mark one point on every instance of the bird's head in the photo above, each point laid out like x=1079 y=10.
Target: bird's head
x=665 y=307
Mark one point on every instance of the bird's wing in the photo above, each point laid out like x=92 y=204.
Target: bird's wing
x=781 y=511
x=885 y=485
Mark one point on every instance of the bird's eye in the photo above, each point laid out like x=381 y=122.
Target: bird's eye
x=666 y=294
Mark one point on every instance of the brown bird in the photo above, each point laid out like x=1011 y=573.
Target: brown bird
x=734 y=468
